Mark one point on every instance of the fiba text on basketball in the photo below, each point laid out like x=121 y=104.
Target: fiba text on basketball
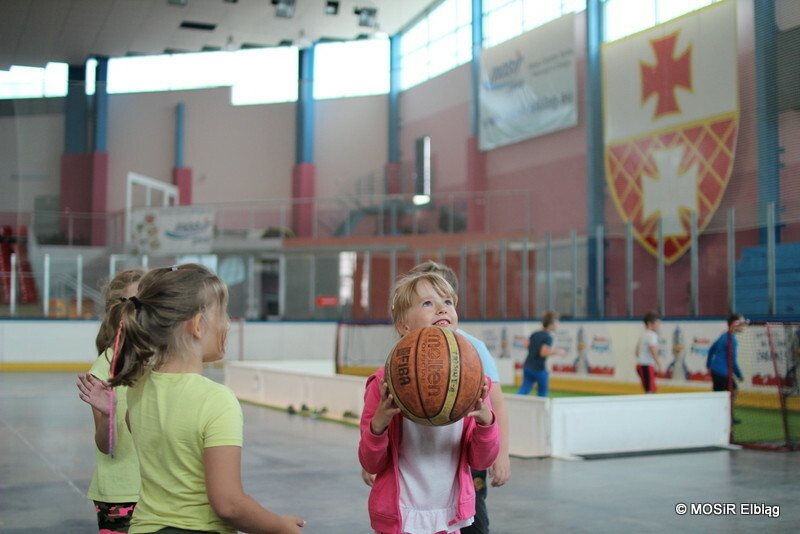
x=728 y=508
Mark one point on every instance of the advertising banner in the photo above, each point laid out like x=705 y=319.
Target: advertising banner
x=178 y=230
x=528 y=85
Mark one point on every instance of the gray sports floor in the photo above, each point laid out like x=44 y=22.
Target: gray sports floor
x=294 y=464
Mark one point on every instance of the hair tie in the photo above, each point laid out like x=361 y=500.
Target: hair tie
x=136 y=303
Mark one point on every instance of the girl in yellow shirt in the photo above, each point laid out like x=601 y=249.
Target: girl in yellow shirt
x=187 y=429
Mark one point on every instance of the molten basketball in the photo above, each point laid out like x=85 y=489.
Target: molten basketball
x=434 y=375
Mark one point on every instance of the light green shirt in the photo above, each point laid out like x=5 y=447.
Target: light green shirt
x=115 y=480
x=174 y=417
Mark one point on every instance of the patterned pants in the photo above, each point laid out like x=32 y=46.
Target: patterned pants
x=114 y=517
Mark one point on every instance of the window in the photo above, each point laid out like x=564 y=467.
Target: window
x=351 y=68
x=265 y=75
x=505 y=19
x=626 y=17
x=437 y=43
x=34 y=82
x=256 y=76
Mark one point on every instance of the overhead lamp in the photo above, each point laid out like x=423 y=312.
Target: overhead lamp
x=284 y=8
x=367 y=16
x=331 y=7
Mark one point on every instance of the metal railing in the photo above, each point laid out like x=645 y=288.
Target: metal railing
x=735 y=263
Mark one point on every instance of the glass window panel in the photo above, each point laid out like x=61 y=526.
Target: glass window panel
x=442 y=20
x=138 y=74
x=415 y=68
x=572 y=6
x=21 y=82
x=34 y=82
x=91 y=74
x=265 y=76
x=538 y=12
x=194 y=71
x=625 y=17
x=676 y=8
x=415 y=38
x=351 y=68
x=442 y=55
x=492 y=5
x=463 y=13
x=56 y=78
x=464 y=45
x=503 y=24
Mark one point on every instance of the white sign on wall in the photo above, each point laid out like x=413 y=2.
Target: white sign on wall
x=171 y=230
x=528 y=85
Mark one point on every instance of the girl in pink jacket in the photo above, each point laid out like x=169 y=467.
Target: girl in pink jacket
x=423 y=483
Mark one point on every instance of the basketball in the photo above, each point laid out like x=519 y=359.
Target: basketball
x=434 y=375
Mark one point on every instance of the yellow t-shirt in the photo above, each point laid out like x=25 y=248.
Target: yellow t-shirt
x=115 y=480
x=174 y=417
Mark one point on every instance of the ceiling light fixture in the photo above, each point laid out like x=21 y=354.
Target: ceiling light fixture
x=284 y=8
x=367 y=16
x=331 y=7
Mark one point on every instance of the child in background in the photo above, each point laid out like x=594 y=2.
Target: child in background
x=115 y=483
x=187 y=429
x=718 y=362
x=648 y=362
x=423 y=483
x=540 y=347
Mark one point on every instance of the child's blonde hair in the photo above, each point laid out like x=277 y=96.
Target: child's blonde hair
x=406 y=289
x=150 y=321
x=431 y=266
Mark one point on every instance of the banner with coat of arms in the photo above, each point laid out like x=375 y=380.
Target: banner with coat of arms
x=671 y=121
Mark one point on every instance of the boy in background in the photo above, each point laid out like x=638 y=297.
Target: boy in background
x=648 y=362
x=540 y=347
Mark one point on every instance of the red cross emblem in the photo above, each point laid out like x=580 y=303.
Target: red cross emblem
x=668 y=74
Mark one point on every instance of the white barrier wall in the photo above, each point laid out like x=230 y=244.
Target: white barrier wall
x=538 y=427
x=58 y=341
x=286 y=341
x=48 y=341
x=310 y=383
x=635 y=423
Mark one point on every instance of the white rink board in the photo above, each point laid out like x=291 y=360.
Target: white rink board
x=563 y=427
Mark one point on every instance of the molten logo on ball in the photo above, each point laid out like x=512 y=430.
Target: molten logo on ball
x=434 y=375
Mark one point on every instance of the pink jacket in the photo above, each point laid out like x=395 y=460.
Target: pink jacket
x=378 y=454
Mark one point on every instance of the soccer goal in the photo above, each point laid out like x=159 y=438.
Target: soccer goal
x=766 y=407
x=363 y=347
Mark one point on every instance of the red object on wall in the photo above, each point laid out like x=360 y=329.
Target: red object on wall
x=326 y=301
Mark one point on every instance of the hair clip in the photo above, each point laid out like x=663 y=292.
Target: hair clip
x=174 y=268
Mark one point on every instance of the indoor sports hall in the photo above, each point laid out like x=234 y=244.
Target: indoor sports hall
x=607 y=160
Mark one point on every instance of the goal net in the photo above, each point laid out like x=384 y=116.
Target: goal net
x=766 y=407
x=363 y=347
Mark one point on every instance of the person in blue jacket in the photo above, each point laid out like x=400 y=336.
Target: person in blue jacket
x=718 y=362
